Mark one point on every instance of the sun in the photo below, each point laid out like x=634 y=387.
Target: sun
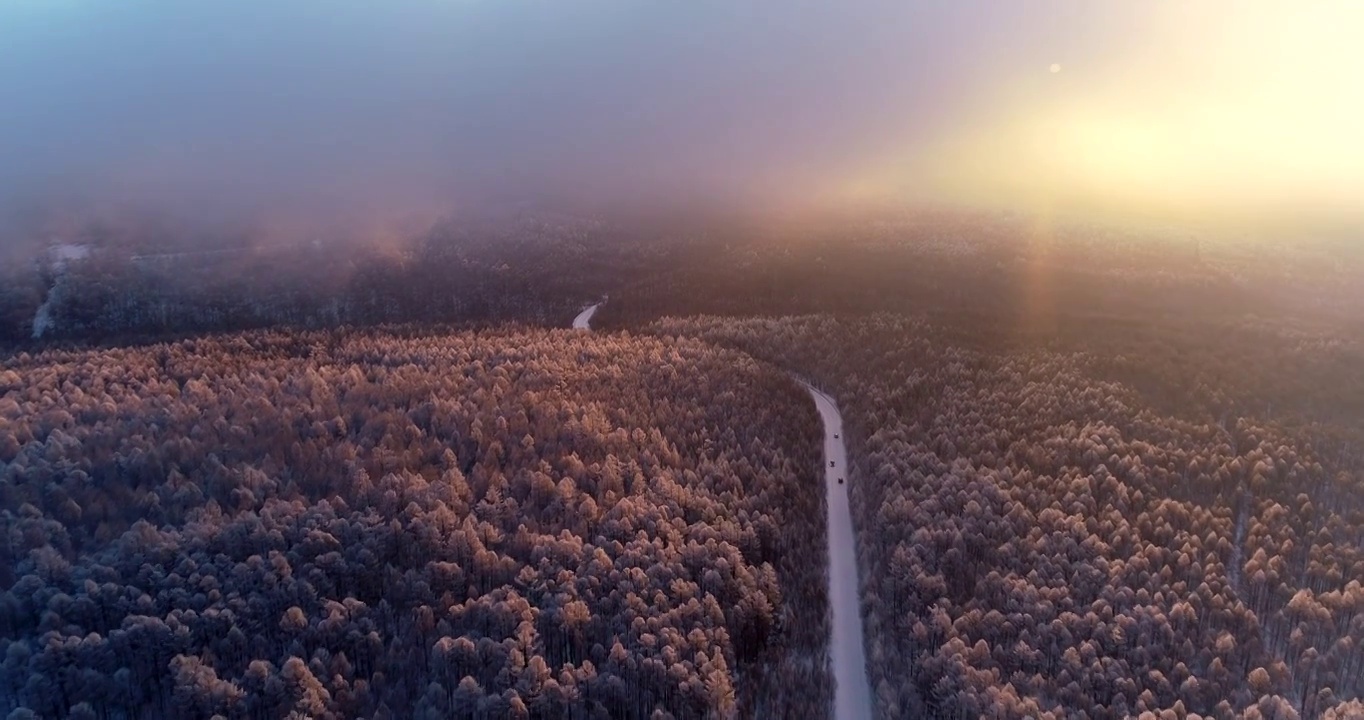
x=1055 y=68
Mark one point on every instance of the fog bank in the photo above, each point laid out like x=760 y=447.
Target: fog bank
x=346 y=115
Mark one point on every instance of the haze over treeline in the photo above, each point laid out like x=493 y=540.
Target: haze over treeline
x=347 y=118
x=292 y=423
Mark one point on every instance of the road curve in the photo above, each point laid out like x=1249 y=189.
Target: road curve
x=852 y=690
x=584 y=319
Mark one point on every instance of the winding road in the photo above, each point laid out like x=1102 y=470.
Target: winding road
x=852 y=690
x=584 y=319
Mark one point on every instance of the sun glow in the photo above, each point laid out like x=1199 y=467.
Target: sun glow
x=1225 y=108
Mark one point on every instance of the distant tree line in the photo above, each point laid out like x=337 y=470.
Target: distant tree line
x=127 y=288
x=962 y=269
x=390 y=523
x=977 y=272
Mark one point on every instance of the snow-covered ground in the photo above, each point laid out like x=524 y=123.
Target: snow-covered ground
x=584 y=319
x=852 y=692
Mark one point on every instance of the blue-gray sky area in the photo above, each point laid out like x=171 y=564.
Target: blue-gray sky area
x=336 y=108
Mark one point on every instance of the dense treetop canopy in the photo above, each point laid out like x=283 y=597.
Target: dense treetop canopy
x=361 y=524
x=1038 y=539
x=1094 y=472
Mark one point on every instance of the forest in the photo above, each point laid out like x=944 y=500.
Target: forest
x=142 y=282
x=1095 y=473
x=1047 y=532
x=728 y=360
x=393 y=523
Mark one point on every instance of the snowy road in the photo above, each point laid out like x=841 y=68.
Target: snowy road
x=584 y=319
x=852 y=692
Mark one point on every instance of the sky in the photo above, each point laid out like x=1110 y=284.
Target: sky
x=364 y=114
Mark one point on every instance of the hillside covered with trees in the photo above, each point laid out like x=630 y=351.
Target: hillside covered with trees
x=396 y=523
